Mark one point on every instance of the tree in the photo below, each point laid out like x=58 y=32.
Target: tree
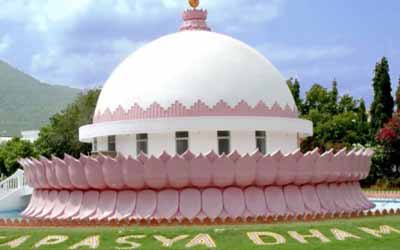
x=317 y=98
x=382 y=105
x=363 y=124
x=11 y=152
x=334 y=94
x=336 y=132
x=346 y=104
x=398 y=96
x=295 y=89
x=62 y=134
x=339 y=121
x=340 y=131
x=387 y=162
x=362 y=111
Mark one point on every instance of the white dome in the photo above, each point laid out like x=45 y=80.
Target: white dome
x=191 y=66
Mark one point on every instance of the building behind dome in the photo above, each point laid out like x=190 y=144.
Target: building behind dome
x=195 y=90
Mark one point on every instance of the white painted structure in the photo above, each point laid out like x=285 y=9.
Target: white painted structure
x=14 y=192
x=30 y=135
x=5 y=139
x=186 y=67
x=282 y=133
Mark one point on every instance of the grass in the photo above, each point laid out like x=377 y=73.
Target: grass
x=373 y=189
x=230 y=237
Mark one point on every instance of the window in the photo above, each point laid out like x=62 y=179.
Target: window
x=141 y=143
x=182 y=142
x=111 y=143
x=224 y=142
x=94 y=145
x=261 y=141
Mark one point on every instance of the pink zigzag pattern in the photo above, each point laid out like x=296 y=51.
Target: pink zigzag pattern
x=199 y=108
x=190 y=170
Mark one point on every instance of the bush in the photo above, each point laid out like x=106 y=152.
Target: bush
x=11 y=152
x=387 y=161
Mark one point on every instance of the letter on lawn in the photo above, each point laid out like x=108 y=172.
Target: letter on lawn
x=382 y=230
x=201 y=239
x=342 y=235
x=16 y=243
x=91 y=242
x=51 y=240
x=314 y=234
x=255 y=237
x=127 y=240
x=169 y=242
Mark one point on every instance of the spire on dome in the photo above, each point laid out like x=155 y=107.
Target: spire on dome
x=194 y=3
x=194 y=19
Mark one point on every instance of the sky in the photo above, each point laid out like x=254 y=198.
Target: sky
x=79 y=42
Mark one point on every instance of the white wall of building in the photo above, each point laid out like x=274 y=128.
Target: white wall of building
x=102 y=144
x=243 y=141
x=202 y=142
x=30 y=135
x=5 y=139
x=206 y=123
x=287 y=143
x=159 y=143
x=126 y=144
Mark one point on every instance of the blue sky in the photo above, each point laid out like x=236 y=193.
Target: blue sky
x=79 y=42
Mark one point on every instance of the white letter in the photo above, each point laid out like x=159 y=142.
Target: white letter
x=201 y=239
x=382 y=230
x=16 y=243
x=314 y=234
x=256 y=238
x=92 y=242
x=169 y=242
x=132 y=244
x=342 y=235
x=51 y=240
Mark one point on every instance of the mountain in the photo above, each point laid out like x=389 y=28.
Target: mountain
x=26 y=103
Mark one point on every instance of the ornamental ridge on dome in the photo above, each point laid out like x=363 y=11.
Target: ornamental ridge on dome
x=194 y=19
x=199 y=108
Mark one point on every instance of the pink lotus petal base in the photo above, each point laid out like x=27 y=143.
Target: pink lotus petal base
x=196 y=187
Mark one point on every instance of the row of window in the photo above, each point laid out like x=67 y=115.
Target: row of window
x=182 y=142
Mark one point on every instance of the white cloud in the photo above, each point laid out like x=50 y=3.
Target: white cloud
x=45 y=13
x=91 y=68
x=238 y=15
x=306 y=54
x=313 y=63
x=314 y=71
x=81 y=41
x=5 y=43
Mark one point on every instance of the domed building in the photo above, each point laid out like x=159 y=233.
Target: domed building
x=195 y=126
x=195 y=90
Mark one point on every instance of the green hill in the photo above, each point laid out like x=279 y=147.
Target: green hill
x=26 y=103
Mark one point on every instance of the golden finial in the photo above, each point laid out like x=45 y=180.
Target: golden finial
x=194 y=3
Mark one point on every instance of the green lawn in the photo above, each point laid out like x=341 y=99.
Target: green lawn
x=232 y=237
